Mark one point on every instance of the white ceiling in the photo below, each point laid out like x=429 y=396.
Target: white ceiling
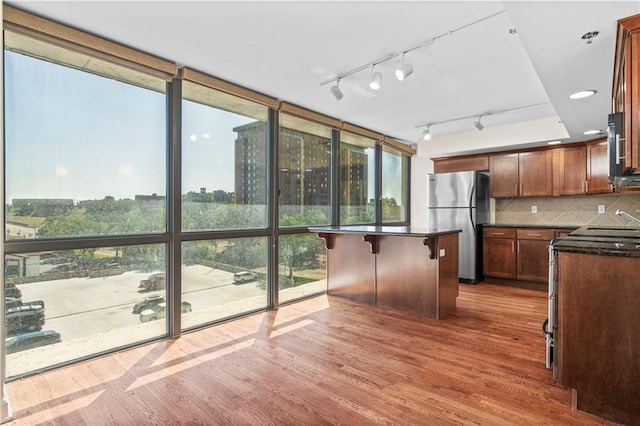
x=286 y=49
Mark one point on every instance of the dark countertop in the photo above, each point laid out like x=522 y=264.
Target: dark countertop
x=405 y=231
x=511 y=225
x=601 y=240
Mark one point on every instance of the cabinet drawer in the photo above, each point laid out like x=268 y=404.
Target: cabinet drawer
x=499 y=232
x=535 y=234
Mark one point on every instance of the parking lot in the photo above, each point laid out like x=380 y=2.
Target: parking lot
x=94 y=314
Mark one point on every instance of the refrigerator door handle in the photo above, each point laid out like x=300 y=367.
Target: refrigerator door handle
x=471 y=195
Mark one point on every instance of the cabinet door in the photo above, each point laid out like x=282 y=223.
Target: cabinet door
x=598 y=169
x=499 y=257
x=533 y=260
x=535 y=172
x=570 y=170
x=504 y=175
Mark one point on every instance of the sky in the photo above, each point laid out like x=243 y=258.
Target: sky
x=70 y=134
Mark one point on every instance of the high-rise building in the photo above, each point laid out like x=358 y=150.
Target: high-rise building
x=305 y=168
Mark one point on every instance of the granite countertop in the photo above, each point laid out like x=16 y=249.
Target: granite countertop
x=601 y=240
x=407 y=231
x=512 y=225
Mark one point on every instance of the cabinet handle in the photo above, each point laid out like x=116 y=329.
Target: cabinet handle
x=516 y=190
x=518 y=246
x=586 y=186
x=521 y=189
x=512 y=247
x=582 y=187
x=533 y=235
x=497 y=233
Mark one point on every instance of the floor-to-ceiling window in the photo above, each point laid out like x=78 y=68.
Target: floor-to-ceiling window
x=224 y=197
x=119 y=229
x=357 y=179
x=304 y=199
x=394 y=185
x=85 y=204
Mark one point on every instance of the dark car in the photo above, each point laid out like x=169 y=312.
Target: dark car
x=12 y=302
x=32 y=340
x=23 y=318
x=147 y=303
x=11 y=290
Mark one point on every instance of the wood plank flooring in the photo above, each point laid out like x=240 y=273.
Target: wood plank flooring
x=323 y=361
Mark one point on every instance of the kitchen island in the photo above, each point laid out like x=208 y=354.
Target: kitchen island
x=596 y=335
x=399 y=267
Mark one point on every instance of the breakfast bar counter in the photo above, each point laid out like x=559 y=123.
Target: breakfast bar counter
x=400 y=267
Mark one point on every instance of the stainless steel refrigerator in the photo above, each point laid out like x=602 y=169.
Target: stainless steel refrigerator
x=461 y=201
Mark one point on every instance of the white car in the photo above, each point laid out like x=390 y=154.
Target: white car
x=159 y=311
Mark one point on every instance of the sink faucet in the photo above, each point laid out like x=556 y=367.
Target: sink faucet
x=628 y=216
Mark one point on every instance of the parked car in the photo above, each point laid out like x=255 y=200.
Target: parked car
x=32 y=340
x=155 y=281
x=159 y=311
x=12 y=302
x=147 y=303
x=243 y=277
x=11 y=290
x=24 y=318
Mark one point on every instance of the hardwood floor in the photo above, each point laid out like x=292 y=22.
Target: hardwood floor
x=323 y=361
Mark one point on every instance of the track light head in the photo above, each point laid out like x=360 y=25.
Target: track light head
x=404 y=71
x=426 y=135
x=376 y=80
x=477 y=125
x=336 y=92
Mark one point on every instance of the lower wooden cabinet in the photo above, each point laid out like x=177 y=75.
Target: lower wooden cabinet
x=517 y=253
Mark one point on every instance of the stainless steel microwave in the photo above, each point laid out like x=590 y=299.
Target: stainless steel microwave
x=620 y=174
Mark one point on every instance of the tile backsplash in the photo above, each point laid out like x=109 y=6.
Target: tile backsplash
x=573 y=210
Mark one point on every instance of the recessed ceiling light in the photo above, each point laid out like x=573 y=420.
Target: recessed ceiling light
x=554 y=143
x=593 y=132
x=583 y=94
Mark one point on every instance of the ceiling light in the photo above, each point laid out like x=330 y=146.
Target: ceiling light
x=593 y=132
x=336 y=92
x=426 y=135
x=404 y=71
x=588 y=37
x=554 y=143
x=583 y=94
x=376 y=79
x=478 y=125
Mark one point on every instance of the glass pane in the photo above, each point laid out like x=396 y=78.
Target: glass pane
x=357 y=179
x=224 y=161
x=394 y=187
x=95 y=163
x=302 y=268
x=305 y=169
x=223 y=278
x=67 y=304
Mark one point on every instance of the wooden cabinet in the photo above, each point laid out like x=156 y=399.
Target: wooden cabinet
x=517 y=253
x=504 y=179
x=523 y=174
x=463 y=163
x=499 y=252
x=598 y=168
x=532 y=256
x=570 y=170
x=626 y=85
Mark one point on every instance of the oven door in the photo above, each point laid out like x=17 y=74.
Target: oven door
x=550 y=324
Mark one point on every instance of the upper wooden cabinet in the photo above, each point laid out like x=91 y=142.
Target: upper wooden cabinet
x=598 y=168
x=570 y=170
x=626 y=85
x=521 y=174
x=463 y=163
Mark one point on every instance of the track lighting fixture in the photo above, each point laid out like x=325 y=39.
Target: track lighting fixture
x=336 y=92
x=404 y=71
x=426 y=135
x=478 y=125
x=376 y=80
